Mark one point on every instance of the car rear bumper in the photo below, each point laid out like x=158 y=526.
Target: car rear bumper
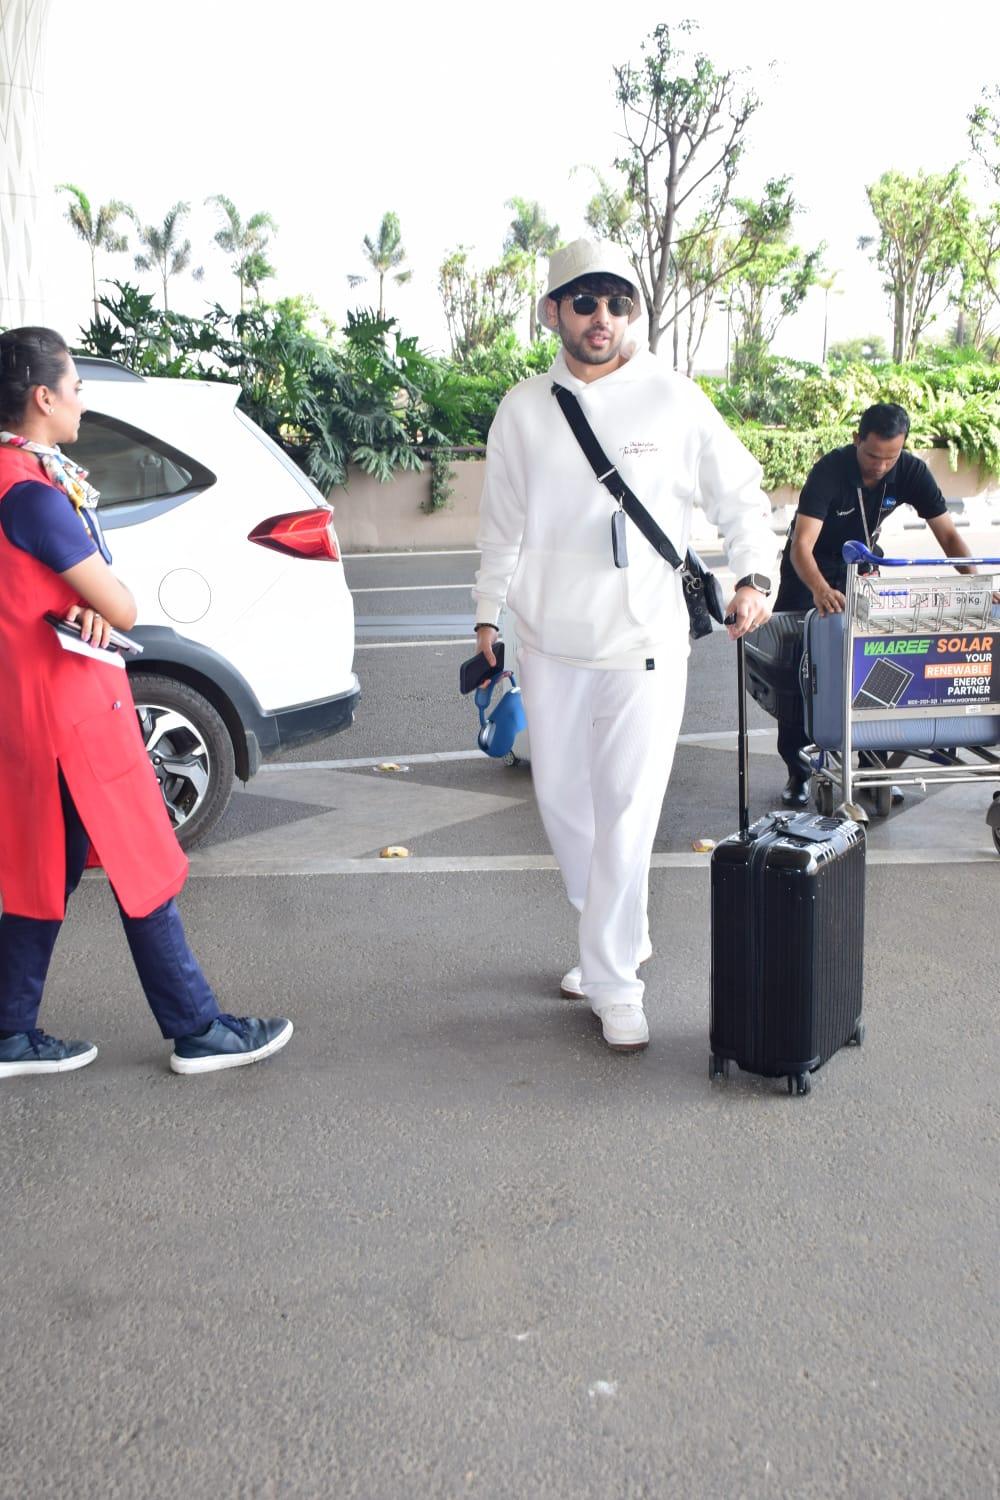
x=308 y=721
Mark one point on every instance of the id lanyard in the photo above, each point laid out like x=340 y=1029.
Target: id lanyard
x=93 y=525
x=878 y=515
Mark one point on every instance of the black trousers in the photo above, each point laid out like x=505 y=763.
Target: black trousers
x=792 y=737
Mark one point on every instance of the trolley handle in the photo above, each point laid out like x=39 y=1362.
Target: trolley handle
x=857 y=552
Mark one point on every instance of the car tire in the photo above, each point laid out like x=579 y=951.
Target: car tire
x=190 y=750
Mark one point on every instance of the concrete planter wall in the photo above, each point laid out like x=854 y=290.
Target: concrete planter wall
x=373 y=517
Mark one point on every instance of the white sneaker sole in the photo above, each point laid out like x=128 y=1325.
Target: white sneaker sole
x=26 y=1069
x=614 y=1046
x=231 y=1059
x=633 y=1040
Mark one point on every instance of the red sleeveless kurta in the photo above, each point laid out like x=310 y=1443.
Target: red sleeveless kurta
x=60 y=711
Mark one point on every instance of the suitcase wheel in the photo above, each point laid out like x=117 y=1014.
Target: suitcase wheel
x=799 y=1083
x=718 y=1067
x=823 y=797
x=858 y=1035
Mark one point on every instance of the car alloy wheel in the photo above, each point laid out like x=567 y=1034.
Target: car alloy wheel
x=190 y=750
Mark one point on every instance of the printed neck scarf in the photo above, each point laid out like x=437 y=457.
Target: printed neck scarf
x=60 y=470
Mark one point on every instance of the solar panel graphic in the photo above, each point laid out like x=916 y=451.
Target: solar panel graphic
x=884 y=686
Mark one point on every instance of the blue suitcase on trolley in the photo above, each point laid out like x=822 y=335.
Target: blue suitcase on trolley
x=788 y=897
x=823 y=693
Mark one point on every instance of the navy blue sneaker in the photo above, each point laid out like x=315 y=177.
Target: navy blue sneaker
x=28 y=1052
x=230 y=1042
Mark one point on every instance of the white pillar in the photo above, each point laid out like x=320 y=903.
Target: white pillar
x=22 y=39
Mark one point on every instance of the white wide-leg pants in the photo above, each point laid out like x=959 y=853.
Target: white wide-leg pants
x=602 y=745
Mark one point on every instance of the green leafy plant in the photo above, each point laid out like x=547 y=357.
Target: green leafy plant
x=442 y=482
x=787 y=455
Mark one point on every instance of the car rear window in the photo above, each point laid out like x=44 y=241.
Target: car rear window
x=129 y=465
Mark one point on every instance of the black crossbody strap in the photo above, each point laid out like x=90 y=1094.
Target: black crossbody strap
x=609 y=476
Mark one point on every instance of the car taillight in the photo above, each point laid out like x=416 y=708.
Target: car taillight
x=303 y=533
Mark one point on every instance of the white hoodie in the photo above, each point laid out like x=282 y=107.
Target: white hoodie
x=545 y=520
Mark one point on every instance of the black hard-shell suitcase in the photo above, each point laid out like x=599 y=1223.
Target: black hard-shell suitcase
x=773 y=662
x=788 y=896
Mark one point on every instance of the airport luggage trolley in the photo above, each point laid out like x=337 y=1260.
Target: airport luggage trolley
x=910 y=672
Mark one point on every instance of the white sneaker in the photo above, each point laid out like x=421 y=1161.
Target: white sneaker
x=624 y=1027
x=571 y=984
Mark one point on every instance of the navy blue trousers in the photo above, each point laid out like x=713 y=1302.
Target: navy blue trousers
x=178 y=993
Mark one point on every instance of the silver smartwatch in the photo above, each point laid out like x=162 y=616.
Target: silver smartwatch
x=758 y=581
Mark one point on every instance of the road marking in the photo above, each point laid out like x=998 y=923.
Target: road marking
x=372 y=760
x=426 y=758
x=521 y=863
x=432 y=640
x=445 y=552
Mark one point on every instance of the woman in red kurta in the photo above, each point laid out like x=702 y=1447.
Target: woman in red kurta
x=75 y=780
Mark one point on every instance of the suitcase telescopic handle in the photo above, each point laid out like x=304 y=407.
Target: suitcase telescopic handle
x=743 y=746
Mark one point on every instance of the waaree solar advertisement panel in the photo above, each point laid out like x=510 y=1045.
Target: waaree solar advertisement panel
x=947 y=670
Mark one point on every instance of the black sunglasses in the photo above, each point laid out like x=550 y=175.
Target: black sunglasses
x=585 y=303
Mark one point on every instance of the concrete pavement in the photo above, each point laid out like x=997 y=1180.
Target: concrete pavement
x=447 y=1245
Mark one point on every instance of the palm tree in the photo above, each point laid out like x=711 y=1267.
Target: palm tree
x=531 y=234
x=827 y=284
x=247 y=242
x=165 y=254
x=97 y=232
x=384 y=254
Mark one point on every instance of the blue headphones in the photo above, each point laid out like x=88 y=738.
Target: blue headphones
x=499 y=730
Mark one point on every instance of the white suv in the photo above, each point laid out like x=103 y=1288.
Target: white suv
x=245 y=617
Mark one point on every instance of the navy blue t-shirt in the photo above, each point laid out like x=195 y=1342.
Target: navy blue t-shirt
x=44 y=522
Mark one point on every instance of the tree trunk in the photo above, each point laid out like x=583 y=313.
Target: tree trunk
x=93 y=282
x=677 y=330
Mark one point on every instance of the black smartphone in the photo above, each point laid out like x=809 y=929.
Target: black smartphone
x=472 y=672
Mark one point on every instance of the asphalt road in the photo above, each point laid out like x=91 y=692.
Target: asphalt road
x=447 y=1245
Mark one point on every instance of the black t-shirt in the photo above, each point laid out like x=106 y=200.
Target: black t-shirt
x=830 y=495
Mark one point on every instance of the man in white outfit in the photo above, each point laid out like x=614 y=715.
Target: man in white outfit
x=603 y=648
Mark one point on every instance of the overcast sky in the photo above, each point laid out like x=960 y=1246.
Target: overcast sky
x=326 y=115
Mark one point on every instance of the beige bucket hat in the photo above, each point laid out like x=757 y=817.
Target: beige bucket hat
x=588 y=258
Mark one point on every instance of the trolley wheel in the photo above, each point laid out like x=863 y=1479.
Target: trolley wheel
x=858 y=1035
x=799 y=1083
x=510 y=759
x=823 y=797
x=882 y=797
x=718 y=1067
